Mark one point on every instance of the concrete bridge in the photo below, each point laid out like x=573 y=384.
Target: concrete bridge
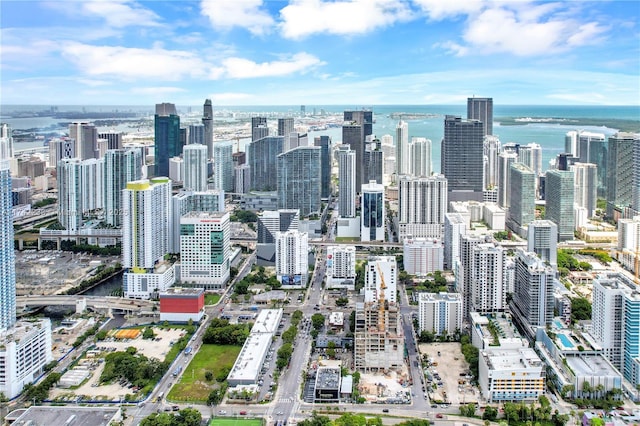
x=99 y=303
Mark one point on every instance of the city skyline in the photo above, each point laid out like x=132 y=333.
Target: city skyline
x=310 y=51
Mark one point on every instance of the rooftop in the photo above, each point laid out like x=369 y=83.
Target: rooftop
x=328 y=378
x=67 y=416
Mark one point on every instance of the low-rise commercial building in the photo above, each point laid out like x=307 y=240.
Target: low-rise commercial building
x=511 y=375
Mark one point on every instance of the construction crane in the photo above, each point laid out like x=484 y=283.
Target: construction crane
x=381 y=302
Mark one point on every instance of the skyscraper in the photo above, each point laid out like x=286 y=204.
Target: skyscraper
x=7 y=254
x=559 y=196
x=285 y=126
x=6 y=133
x=533 y=294
x=114 y=139
x=355 y=129
x=223 y=166
x=189 y=201
x=481 y=109
x=636 y=175
x=420 y=157
x=585 y=179
x=491 y=149
x=620 y=170
x=121 y=166
x=373 y=160
x=402 y=148
x=259 y=128
x=195 y=167
x=292 y=258
x=373 y=212
x=462 y=158
x=455 y=225
x=69 y=179
x=299 y=180
x=86 y=137
x=523 y=197
x=205 y=249
x=505 y=160
x=464 y=270
x=488 y=292
x=324 y=142
x=594 y=148
x=261 y=157
x=542 y=239
x=346 y=181
x=422 y=204
x=207 y=120
x=60 y=148
x=145 y=224
x=196 y=135
x=167 y=137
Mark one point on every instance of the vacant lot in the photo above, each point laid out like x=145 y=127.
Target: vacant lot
x=193 y=385
x=235 y=422
x=451 y=366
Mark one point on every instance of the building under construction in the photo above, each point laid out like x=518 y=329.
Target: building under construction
x=379 y=341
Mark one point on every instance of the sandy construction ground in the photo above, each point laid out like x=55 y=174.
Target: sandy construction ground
x=113 y=392
x=450 y=365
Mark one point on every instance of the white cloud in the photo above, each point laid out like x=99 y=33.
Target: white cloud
x=523 y=29
x=116 y=13
x=226 y=14
x=441 y=9
x=244 y=68
x=132 y=63
x=302 y=18
x=232 y=97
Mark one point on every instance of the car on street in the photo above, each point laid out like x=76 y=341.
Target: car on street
x=243 y=413
x=222 y=412
x=439 y=416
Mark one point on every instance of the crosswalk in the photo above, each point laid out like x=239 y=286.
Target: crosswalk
x=288 y=400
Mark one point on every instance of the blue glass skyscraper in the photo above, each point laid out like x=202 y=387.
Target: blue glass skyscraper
x=7 y=254
x=167 y=137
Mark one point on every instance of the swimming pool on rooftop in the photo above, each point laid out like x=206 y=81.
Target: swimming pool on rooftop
x=558 y=323
x=566 y=342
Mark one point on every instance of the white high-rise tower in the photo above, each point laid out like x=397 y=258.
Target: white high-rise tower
x=195 y=167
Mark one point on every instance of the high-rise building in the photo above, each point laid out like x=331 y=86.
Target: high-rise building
x=145 y=226
x=585 y=180
x=205 y=250
x=69 y=178
x=379 y=270
x=7 y=254
x=481 y=109
x=292 y=258
x=7 y=134
x=242 y=179
x=422 y=256
x=86 y=137
x=207 y=121
x=531 y=156
x=196 y=135
x=357 y=126
x=223 y=166
x=373 y=160
x=269 y=222
x=542 y=239
x=636 y=175
x=299 y=180
x=60 y=148
x=571 y=143
x=522 y=196
x=608 y=315
x=185 y=202
x=341 y=267
x=620 y=170
x=402 y=148
x=455 y=225
x=463 y=270
x=121 y=166
x=167 y=137
x=262 y=158
x=491 y=149
x=559 y=196
x=462 y=158
x=347 y=191
x=285 y=126
x=505 y=160
x=113 y=139
x=440 y=313
x=533 y=300
x=195 y=167
x=487 y=279
x=592 y=148
x=422 y=205
x=373 y=212
x=92 y=181
x=389 y=155
x=420 y=157
x=324 y=142
x=585 y=139
x=259 y=128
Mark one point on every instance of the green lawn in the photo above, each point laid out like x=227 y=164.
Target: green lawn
x=226 y=421
x=211 y=298
x=193 y=386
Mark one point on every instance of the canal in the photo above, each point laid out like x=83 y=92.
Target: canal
x=106 y=288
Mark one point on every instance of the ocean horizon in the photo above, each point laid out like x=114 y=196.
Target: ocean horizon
x=550 y=136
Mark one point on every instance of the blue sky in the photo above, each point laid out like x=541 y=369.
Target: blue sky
x=257 y=52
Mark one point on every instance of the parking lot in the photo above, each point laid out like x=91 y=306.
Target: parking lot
x=447 y=375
